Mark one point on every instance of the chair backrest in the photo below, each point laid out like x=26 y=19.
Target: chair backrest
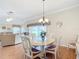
x=57 y=43
x=27 y=45
x=77 y=45
x=77 y=38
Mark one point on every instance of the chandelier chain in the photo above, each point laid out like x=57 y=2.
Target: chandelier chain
x=43 y=11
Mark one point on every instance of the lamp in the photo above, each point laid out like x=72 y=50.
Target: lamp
x=43 y=20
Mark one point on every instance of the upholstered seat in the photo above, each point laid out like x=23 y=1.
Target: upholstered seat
x=35 y=51
x=51 y=46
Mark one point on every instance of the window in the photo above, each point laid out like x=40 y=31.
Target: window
x=24 y=30
x=36 y=32
x=16 y=30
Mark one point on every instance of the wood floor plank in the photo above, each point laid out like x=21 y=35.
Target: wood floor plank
x=17 y=52
x=12 y=52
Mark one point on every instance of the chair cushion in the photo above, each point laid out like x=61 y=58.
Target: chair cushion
x=51 y=47
x=35 y=50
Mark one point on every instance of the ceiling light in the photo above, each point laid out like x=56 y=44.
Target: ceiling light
x=9 y=19
x=10 y=16
x=43 y=20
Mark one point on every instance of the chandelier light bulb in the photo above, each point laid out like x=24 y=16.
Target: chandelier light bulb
x=46 y=20
x=41 y=20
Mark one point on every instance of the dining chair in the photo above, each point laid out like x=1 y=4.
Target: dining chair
x=77 y=50
x=30 y=53
x=53 y=48
x=74 y=45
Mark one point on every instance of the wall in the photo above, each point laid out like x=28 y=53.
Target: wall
x=70 y=27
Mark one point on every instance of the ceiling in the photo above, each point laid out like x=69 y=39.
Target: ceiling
x=24 y=10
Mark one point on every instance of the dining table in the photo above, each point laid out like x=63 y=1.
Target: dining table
x=45 y=43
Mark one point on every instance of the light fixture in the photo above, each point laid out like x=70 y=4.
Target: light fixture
x=9 y=19
x=10 y=16
x=59 y=24
x=43 y=20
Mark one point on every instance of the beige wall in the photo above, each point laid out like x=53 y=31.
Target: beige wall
x=70 y=27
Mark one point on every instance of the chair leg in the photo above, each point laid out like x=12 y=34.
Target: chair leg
x=25 y=57
x=68 y=50
x=55 y=56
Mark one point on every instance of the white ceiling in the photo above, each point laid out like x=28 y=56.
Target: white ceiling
x=29 y=9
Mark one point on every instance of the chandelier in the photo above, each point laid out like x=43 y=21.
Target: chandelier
x=43 y=20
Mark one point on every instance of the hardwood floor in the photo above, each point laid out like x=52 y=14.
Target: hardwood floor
x=16 y=52
x=67 y=53
x=12 y=52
